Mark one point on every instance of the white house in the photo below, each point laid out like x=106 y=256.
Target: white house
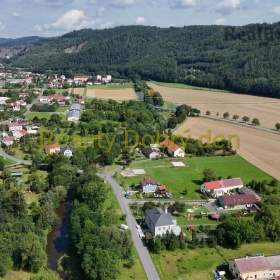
x=148 y=186
x=173 y=149
x=32 y=130
x=221 y=187
x=15 y=127
x=161 y=222
x=67 y=152
x=259 y=267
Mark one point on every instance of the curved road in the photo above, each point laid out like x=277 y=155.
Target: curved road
x=16 y=160
x=143 y=253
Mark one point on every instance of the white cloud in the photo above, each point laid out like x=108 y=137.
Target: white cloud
x=228 y=6
x=140 y=20
x=185 y=4
x=221 y=21
x=123 y=3
x=276 y=10
x=71 y=20
x=15 y=14
x=2 y=26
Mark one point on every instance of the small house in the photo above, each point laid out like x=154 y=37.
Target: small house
x=148 y=186
x=173 y=149
x=151 y=153
x=67 y=152
x=52 y=149
x=8 y=141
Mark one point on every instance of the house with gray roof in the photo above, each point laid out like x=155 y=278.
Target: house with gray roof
x=161 y=222
x=74 y=112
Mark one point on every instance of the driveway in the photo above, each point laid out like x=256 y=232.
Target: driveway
x=131 y=222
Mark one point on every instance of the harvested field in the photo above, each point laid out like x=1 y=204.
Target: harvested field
x=260 y=148
x=267 y=110
x=115 y=94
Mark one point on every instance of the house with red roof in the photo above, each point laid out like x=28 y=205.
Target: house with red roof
x=221 y=187
x=173 y=149
x=148 y=186
x=52 y=149
x=258 y=267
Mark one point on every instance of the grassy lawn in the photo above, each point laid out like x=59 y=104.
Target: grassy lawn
x=7 y=161
x=17 y=275
x=200 y=263
x=185 y=182
x=136 y=272
x=39 y=115
x=18 y=153
x=45 y=115
x=112 y=86
x=185 y=86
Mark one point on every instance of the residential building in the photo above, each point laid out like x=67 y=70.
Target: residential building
x=15 y=127
x=237 y=200
x=148 y=186
x=173 y=149
x=259 y=267
x=221 y=187
x=161 y=222
x=18 y=134
x=8 y=140
x=52 y=149
x=74 y=112
x=151 y=153
x=67 y=152
x=81 y=79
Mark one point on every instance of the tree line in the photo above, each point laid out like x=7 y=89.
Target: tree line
x=207 y=56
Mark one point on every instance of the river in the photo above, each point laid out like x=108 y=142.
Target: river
x=58 y=238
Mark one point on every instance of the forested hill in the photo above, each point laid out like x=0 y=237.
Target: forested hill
x=19 y=42
x=243 y=59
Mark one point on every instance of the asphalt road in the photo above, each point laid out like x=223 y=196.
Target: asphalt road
x=131 y=222
x=16 y=160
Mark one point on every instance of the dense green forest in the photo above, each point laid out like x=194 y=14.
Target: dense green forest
x=243 y=59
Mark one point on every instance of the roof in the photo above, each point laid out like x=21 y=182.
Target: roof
x=75 y=107
x=52 y=146
x=158 y=217
x=227 y=183
x=252 y=264
x=274 y=262
x=170 y=145
x=147 y=151
x=65 y=149
x=74 y=114
x=148 y=181
x=237 y=199
x=259 y=263
x=57 y=97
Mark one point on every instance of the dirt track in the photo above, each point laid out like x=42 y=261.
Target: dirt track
x=260 y=148
x=267 y=110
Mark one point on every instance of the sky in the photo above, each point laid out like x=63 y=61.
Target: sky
x=19 y=18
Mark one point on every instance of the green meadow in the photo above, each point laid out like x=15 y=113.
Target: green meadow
x=185 y=182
